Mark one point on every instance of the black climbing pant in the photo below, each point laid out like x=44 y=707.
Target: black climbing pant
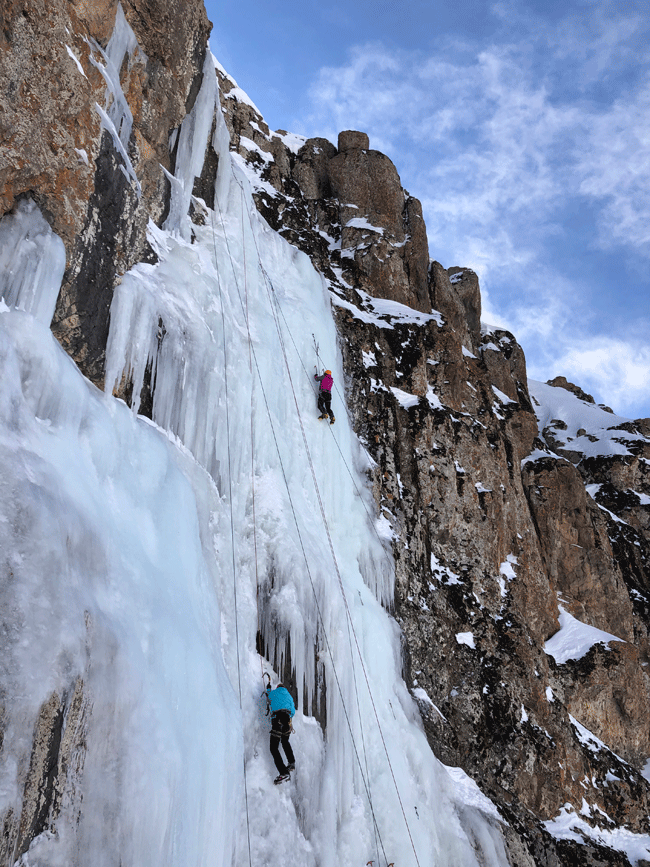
x=280 y=730
x=325 y=403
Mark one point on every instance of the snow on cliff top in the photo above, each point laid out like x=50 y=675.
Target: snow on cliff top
x=579 y=425
x=292 y=140
x=236 y=92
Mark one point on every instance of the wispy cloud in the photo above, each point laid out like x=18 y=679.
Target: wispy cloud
x=615 y=170
x=490 y=139
x=519 y=149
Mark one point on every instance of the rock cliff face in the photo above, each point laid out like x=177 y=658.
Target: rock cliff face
x=510 y=520
x=503 y=531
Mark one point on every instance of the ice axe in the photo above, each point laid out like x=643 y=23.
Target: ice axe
x=265 y=693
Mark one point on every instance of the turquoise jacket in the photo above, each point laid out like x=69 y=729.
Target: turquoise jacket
x=280 y=699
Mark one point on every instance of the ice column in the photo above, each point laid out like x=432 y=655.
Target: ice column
x=221 y=145
x=32 y=262
x=192 y=143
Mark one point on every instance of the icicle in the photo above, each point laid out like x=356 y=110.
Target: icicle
x=116 y=117
x=221 y=145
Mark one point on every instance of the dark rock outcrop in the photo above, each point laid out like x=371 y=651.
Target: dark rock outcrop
x=52 y=774
x=562 y=382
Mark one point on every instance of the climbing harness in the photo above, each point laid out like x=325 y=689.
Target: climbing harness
x=275 y=718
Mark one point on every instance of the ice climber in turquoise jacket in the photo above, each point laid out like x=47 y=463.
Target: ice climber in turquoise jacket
x=282 y=709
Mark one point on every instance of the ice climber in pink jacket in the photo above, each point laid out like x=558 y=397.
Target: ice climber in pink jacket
x=325 y=395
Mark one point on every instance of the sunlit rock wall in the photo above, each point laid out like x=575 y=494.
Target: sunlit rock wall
x=91 y=93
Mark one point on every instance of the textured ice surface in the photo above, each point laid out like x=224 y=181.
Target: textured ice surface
x=104 y=578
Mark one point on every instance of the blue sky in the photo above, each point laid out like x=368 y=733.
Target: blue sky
x=523 y=128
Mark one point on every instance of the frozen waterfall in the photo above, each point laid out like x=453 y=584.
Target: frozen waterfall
x=149 y=561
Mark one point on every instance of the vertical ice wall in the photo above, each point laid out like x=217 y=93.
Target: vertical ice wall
x=105 y=592
x=226 y=323
x=118 y=722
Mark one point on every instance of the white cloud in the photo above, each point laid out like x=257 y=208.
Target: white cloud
x=613 y=369
x=526 y=153
x=497 y=135
x=615 y=167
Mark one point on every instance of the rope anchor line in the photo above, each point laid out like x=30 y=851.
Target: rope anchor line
x=351 y=631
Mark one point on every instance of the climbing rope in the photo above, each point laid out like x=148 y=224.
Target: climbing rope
x=270 y=290
x=302 y=546
x=342 y=399
x=351 y=629
x=350 y=626
x=268 y=281
x=345 y=601
x=252 y=426
x=232 y=525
